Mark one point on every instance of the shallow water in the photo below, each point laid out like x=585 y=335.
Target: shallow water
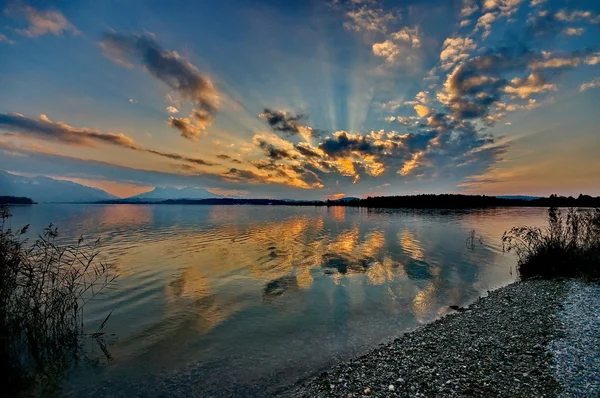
x=243 y=300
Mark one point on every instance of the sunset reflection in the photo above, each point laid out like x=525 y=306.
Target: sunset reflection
x=411 y=245
x=338 y=213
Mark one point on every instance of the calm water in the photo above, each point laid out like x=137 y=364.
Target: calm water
x=242 y=300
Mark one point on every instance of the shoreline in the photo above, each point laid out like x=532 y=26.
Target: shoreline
x=500 y=345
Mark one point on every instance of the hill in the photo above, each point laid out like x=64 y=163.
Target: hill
x=49 y=190
x=161 y=194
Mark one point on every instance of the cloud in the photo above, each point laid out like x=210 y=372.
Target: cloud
x=398 y=46
x=176 y=156
x=589 y=85
x=469 y=8
x=570 y=61
x=573 y=31
x=6 y=39
x=455 y=50
x=173 y=70
x=291 y=124
x=593 y=59
x=575 y=15
x=494 y=10
x=369 y=19
x=186 y=127
x=42 y=22
x=273 y=152
x=533 y=84
x=281 y=121
x=172 y=109
x=422 y=110
x=408 y=35
x=229 y=158
x=388 y=50
x=46 y=129
x=476 y=86
x=395 y=44
x=227 y=192
x=307 y=151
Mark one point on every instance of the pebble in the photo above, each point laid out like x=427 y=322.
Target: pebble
x=576 y=354
x=501 y=339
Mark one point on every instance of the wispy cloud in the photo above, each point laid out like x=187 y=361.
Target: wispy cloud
x=589 y=85
x=173 y=70
x=46 y=129
x=4 y=39
x=41 y=22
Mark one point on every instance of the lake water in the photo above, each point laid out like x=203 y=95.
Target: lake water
x=244 y=300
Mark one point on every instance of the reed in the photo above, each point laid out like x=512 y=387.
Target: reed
x=44 y=287
x=568 y=247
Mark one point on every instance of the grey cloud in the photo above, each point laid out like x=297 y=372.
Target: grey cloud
x=273 y=152
x=176 y=156
x=280 y=121
x=306 y=150
x=186 y=127
x=170 y=68
x=342 y=145
x=229 y=158
x=41 y=22
x=45 y=128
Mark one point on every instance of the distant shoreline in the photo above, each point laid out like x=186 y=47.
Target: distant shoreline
x=16 y=200
x=408 y=202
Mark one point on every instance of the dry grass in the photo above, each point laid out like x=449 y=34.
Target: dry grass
x=44 y=287
x=568 y=247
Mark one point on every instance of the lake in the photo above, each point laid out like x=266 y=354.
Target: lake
x=244 y=300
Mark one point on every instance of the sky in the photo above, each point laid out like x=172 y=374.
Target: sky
x=304 y=99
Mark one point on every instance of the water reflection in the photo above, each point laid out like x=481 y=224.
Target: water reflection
x=214 y=290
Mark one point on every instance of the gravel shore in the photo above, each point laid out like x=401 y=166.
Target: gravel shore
x=577 y=353
x=499 y=346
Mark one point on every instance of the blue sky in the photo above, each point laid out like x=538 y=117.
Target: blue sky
x=307 y=99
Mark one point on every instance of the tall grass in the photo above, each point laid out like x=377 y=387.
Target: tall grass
x=568 y=247
x=44 y=287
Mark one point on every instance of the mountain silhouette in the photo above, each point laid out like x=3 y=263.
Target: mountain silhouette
x=48 y=190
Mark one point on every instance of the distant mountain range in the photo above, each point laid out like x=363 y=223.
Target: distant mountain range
x=160 y=194
x=519 y=197
x=45 y=189
x=50 y=190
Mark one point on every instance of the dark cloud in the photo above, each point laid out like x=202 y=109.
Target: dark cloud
x=307 y=150
x=176 y=156
x=342 y=144
x=186 y=127
x=45 y=128
x=173 y=70
x=273 y=152
x=245 y=175
x=281 y=121
x=229 y=158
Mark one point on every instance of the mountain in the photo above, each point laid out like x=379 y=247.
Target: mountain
x=45 y=189
x=346 y=199
x=159 y=194
x=520 y=197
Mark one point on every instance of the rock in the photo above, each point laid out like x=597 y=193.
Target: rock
x=367 y=391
